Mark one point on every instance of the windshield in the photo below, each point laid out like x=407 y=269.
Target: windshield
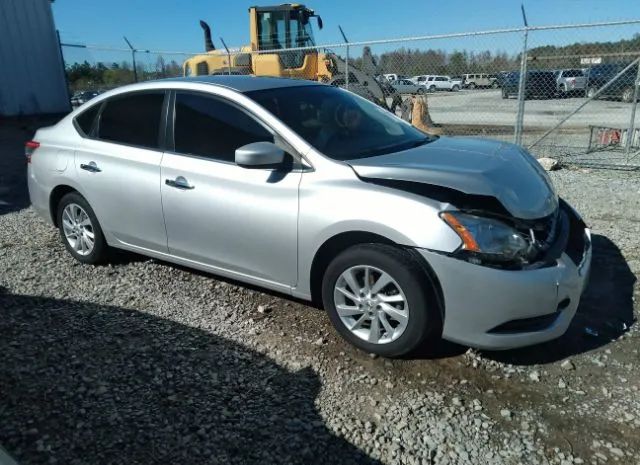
x=337 y=123
x=284 y=29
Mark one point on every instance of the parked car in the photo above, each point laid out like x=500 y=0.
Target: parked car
x=540 y=84
x=621 y=89
x=82 y=97
x=471 y=81
x=571 y=81
x=420 y=79
x=309 y=190
x=405 y=86
x=501 y=77
x=442 y=83
x=394 y=77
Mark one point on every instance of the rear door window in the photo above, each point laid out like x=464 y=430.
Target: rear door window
x=210 y=127
x=84 y=121
x=132 y=119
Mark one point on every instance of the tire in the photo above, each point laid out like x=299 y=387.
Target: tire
x=627 y=95
x=74 y=210
x=505 y=94
x=455 y=88
x=562 y=93
x=591 y=91
x=472 y=85
x=420 y=91
x=494 y=85
x=410 y=284
x=432 y=89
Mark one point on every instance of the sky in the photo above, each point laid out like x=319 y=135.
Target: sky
x=173 y=24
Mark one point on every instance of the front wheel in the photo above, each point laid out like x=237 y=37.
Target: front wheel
x=472 y=85
x=379 y=299
x=80 y=231
x=420 y=91
x=432 y=89
x=455 y=88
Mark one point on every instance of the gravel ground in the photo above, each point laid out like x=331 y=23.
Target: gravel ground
x=145 y=362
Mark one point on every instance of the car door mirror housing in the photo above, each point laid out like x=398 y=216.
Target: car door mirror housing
x=259 y=155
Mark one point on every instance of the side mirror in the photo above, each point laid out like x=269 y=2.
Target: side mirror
x=259 y=155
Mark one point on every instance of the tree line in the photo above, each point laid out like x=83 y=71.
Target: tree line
x=411 y=62
x=96 y=76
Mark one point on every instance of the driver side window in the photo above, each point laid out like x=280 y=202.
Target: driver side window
x=210 y=127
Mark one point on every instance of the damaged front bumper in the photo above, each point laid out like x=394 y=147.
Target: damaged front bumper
x=491 y=308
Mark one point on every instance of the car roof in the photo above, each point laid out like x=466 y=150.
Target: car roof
x=245 y=83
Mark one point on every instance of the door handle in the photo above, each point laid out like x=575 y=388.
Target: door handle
x=91 y=167
x=179 y=183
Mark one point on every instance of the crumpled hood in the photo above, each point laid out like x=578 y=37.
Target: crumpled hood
x=473 y=166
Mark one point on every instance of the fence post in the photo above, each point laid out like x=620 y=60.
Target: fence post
x=522 y=82
x=634 y=106
x=133 y=58
x=228 y=56
x=346 y=67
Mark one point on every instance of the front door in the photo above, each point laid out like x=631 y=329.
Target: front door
x=236 y=219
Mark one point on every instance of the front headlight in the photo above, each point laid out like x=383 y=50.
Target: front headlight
x=487 y=237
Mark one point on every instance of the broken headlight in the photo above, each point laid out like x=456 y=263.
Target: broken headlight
x=487 y=238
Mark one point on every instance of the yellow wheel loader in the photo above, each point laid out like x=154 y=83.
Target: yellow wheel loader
x=283 y=27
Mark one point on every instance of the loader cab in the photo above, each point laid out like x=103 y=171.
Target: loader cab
x=283 y=27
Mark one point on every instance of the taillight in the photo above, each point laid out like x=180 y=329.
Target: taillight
x=29 y=148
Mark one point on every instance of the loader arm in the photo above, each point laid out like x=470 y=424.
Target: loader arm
x=366 y=86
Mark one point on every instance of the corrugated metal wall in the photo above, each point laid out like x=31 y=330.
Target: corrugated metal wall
x=31 y=72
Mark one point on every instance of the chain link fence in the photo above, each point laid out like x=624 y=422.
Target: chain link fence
x=566 y=92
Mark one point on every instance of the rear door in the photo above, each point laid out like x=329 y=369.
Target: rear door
x=442 y=82
x=239 y=220
x=118 y=166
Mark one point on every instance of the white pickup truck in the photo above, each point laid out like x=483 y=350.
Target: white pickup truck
x=434 y=83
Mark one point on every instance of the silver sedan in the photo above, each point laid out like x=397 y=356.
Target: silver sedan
x=312 y=191
x=405 y=86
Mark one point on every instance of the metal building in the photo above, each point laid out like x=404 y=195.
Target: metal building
x=32 y=79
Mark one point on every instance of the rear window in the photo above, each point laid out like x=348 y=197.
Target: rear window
x=84 y=121
x=132 y=119
x=572 y=73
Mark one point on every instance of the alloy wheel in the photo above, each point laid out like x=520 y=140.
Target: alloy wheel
x=371 y=304
x=78 y=230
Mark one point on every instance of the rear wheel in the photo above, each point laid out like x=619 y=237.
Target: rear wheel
x=591 y=92
x=472 y=85
x=505 y=94
x=432 y=88
x=80 y=231
x=455 y=88
x=379 y=299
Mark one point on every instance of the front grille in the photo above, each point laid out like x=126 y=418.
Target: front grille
x=562 y=232
x=202 y=68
